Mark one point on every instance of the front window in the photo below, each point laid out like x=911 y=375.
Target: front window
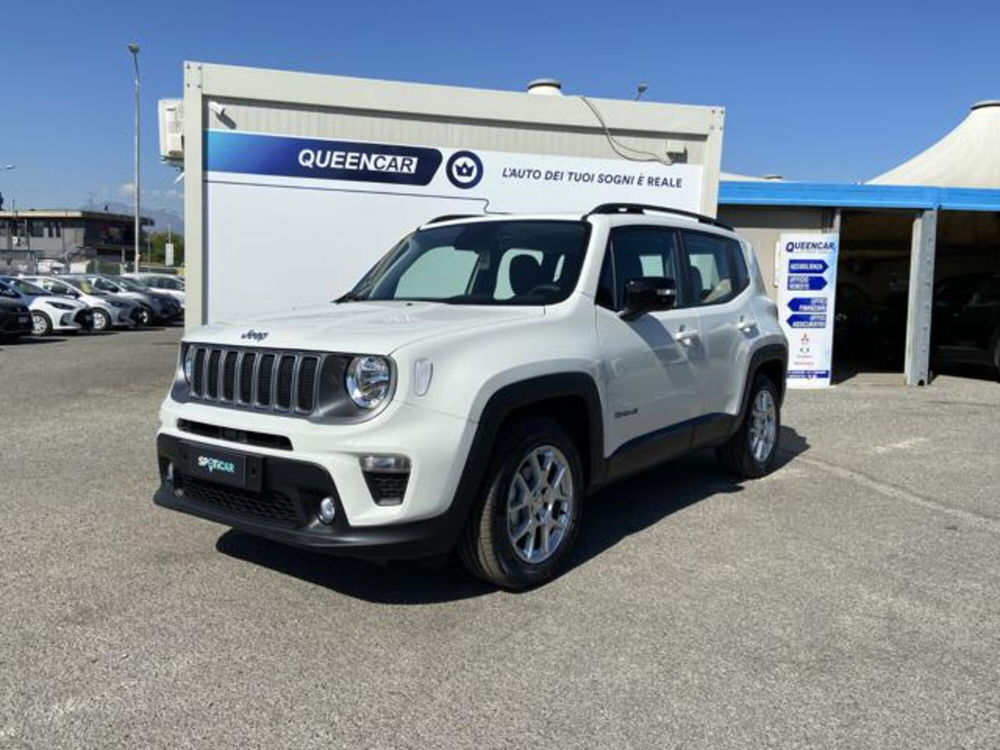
x=485 y=263
x=6 y=291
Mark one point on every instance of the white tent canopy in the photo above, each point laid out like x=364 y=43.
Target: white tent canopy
x=969 y=156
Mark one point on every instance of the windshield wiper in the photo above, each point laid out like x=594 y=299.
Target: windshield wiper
x=349 y=297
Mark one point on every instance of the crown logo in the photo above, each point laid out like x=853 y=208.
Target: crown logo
x=464 y=168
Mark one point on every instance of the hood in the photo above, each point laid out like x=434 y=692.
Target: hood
x=359 y=327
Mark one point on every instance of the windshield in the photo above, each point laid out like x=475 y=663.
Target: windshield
x=486 y=263
x=131 y=284
x=24 y=287
x=55 y=287
x=85 y=286
x=104 y=284
x=167 y=282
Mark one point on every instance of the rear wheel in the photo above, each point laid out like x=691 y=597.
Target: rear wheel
x=751 y=451
x=102 y=321
x=525 y=524
x=41 y=325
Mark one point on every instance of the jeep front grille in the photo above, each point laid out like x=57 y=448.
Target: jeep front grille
x=278 y=381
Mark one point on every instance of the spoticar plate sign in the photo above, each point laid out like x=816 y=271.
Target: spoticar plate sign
x=807 y=284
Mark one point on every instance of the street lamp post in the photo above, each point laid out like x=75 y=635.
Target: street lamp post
x=134 y=49
x=12 y=226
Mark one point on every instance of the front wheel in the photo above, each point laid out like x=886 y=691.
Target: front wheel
x=751 y=451
x=40 y=324
x=526 y=522
x=145 y=317
x=102 y=321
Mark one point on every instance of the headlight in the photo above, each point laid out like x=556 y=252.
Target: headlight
x=189 y=364
x=61 y=306
x=368 y=381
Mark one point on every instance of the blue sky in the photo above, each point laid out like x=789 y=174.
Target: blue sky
x=821 y=91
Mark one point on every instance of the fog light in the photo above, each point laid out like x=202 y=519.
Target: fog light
x=327 y=510
x=389 y=464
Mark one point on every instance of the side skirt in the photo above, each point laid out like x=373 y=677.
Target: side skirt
x=646 y=451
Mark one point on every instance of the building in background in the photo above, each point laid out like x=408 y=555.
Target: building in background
x=64 y=236
x=903 y=237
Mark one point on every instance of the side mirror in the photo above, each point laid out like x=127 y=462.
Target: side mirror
x=648 y=294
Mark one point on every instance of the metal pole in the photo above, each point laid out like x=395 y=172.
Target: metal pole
x=134 y=49
x=920 y=304
x=12 y=224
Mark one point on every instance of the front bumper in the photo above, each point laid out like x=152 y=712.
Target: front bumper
x=285 y=508
x=74 y=320
x=310 y=461
x=123 y=317
x=15 y=323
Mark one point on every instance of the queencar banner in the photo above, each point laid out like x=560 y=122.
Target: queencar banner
x=498 y=181
x=304 y=218
x=807 y=284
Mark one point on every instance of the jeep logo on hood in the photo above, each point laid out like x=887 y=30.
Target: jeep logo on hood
x=254 y=335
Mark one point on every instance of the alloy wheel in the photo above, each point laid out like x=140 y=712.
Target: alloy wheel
x=540 y=504
x=101 y=320
x=763 y=426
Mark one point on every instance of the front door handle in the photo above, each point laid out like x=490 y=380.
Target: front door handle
x=687 y=336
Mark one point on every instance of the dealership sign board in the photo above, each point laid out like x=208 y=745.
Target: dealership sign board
x=293 y=220
x=807 y=284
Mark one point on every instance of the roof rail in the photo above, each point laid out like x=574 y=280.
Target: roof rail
x=641 y=208
x=450 y=217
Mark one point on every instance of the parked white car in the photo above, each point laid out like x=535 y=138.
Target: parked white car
x=161 y=282
x=109 y=311
x=49 y=313
x=485 y=375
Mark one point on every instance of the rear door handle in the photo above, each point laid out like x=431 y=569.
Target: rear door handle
x=746 y=324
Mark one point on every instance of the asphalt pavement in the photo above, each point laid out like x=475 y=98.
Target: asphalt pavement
x=851 y=599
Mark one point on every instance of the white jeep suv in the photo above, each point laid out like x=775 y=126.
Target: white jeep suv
x=483 y=377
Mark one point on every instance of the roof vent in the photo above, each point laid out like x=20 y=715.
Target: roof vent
x=545 y=87
x=986 y=103
x=773 y=177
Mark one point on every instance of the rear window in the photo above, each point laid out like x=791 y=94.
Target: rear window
x=717 y=269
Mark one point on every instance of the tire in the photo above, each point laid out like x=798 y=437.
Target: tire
x=491 y=547
x=743 y=455
x=102 y=321
x=41 y=324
